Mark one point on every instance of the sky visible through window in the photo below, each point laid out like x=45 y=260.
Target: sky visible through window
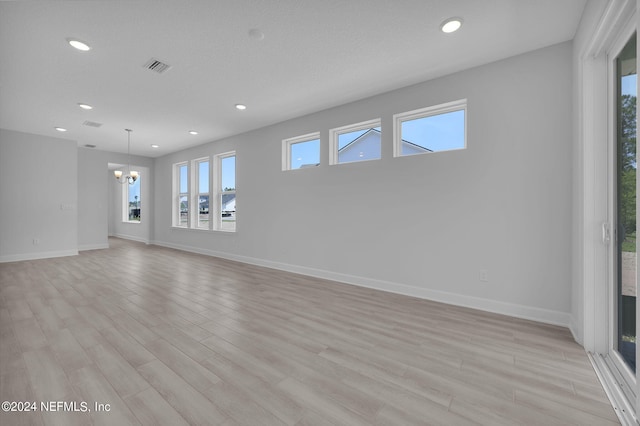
x=630 y=84
x=345 y=139
x=203 y=175
x=440 y=132
x=228 y=165
x=305 y=153
x=134 y=191
x=183 y=179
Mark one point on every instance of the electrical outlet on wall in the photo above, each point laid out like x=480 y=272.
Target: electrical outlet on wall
x=36 y=241
x=484 y=275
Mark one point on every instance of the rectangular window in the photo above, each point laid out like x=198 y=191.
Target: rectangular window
x=225 y=186
x=202 y=182
x=133 y=200
x=432 y=129
x=355 y=142
x=181 y=204
x=301 y=152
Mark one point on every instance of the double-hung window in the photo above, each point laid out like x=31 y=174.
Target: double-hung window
x=225 y=187
x=202 y=193
x=131 y=201
x=205 y=193
x=181 y=191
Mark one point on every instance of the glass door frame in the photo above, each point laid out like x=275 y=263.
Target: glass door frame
x=624 y=377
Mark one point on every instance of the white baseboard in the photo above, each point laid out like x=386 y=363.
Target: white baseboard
x=132 y=238
x=86 y=247
x=514 y=310
x=573 y=328
x=36 y=256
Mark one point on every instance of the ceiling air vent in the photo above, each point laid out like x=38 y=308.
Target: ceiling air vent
x=91 y=124
x=157 y=66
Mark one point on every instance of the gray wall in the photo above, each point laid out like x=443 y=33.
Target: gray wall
x=99 y=212
x=39 y=193
x=503 y=205
x=92 y=192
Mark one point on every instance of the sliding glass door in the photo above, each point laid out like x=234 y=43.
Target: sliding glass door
x=625 y=120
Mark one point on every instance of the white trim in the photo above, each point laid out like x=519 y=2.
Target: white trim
x=87 y=247
x=37 y=256
x=623 y=409
x=334 y=133
x=176 y=195
x=511 y=309
x=132 y=238
x=612 y=18
x=286 y=148
x=398 y=119
x=217 y=191
x=195 y=198
x=619 y=41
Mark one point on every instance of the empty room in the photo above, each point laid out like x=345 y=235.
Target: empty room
x=297 y=212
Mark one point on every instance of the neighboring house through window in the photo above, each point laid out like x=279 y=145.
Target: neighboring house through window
x=301 y=152
x=209 y=185
x=355 y=142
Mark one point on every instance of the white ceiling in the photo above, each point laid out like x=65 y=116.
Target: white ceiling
x=315 y=54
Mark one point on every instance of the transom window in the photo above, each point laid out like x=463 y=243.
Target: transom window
x=301 y=152
x=432 y=129
x=355 y=142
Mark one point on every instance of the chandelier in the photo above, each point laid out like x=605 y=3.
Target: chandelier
x=132 y=176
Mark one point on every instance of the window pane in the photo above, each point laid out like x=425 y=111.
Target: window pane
x=228 y=173
x=228 y=212
x=203 y=211
x=440 y=132
x=134 y=200
x=203 y=177
x=305 y=154
x=184 y=210
x=183 y=179
x=359 y=145
x=626 y=65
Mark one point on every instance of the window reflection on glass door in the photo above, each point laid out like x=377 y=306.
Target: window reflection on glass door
x=626 y=94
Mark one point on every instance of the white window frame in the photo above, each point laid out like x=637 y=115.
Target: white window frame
x=218 y=192
x=288 y=143
x=177 y=195
x=398 y=119
x=334 y=134
x=125 y=202
x=194 y=213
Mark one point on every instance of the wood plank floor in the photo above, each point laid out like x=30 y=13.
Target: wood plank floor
x=169 y=338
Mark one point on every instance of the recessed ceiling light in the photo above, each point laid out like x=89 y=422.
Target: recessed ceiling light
x=85 y=106
x=193 y=132
x=241 y=107
x=155 y=146
x=60 y=129
x=451 y=25
x=80 y=45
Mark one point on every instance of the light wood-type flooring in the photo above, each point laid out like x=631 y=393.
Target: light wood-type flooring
x=171 y=338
